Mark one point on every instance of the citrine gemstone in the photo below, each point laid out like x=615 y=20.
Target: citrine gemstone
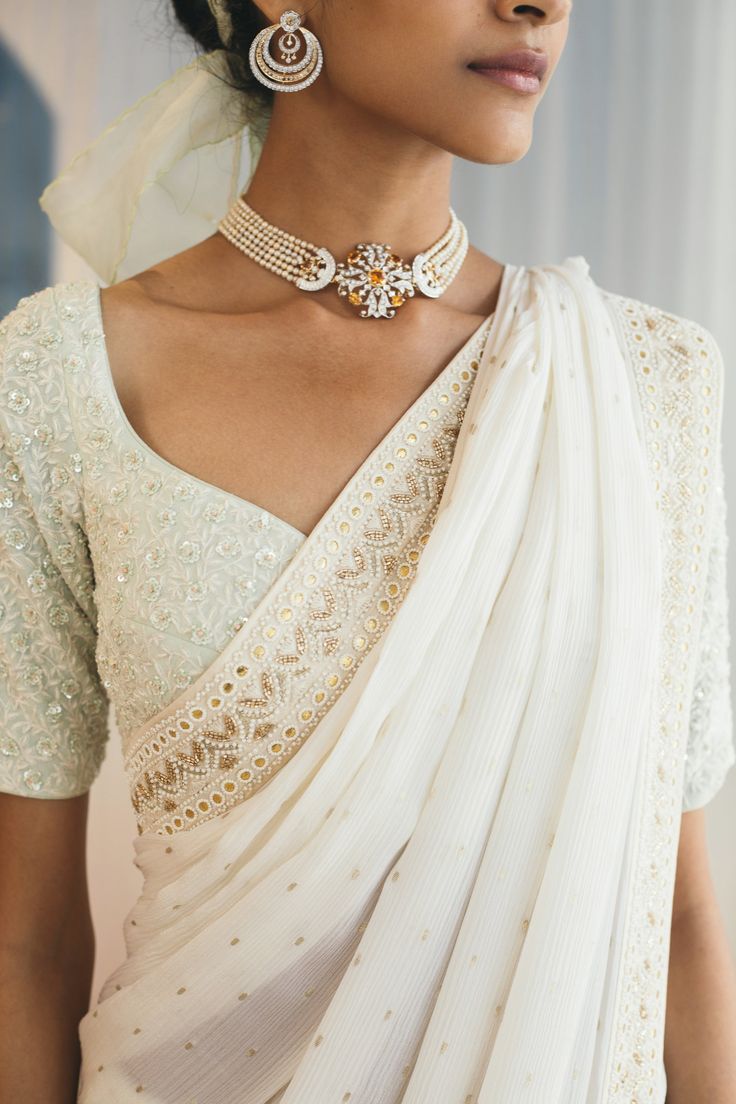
x=397 y=300
x=354 y=256
x=354 y=298
x=377 y=276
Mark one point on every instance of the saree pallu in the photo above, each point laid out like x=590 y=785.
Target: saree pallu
x=430 y=899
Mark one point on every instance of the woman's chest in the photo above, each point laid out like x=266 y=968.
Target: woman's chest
x=180 y=564
x=281 y=411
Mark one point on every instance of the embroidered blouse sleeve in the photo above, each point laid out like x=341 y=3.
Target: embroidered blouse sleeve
x=710 y=748
x=52 y=703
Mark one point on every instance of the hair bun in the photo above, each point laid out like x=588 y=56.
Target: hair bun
x=223 y=19
x=198 y=20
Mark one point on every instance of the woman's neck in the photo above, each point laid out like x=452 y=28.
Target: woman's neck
x=354 y=179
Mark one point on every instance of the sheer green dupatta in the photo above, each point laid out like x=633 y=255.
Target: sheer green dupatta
x=422 y=902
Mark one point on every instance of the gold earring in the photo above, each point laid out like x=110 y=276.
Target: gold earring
x=288 y=75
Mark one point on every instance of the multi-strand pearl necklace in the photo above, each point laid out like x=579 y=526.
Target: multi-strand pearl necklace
x=373 y=277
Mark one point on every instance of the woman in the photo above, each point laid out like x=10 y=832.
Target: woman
x=415 y=631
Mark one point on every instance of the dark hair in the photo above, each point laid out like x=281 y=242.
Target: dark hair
x=196 y=18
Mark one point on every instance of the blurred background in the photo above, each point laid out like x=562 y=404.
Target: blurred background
x=633 y=165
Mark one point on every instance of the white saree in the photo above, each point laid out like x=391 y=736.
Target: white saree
x=411 y=837
x=434 y=897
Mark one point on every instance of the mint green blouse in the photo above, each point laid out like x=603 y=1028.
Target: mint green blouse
x=122 y=577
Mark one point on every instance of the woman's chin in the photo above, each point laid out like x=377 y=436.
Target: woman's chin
x=507 y=143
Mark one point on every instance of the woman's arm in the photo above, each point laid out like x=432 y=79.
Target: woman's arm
x=46 y=946
x=700 y=1025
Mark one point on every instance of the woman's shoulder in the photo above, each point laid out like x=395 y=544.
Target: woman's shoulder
x=64 y=301
x=664 y=345
x=44 y=336
x=677 y=373
x=45 y=340
x=38 y=335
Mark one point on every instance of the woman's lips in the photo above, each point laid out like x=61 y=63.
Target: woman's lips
x=512 y=78
x=522 y=69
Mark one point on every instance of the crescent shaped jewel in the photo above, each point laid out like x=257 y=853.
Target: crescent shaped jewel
x=317 y=272
x=428 y=285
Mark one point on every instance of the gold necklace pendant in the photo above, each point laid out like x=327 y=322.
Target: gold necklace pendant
x=375 y=280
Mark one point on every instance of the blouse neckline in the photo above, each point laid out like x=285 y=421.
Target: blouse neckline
x=245 y=503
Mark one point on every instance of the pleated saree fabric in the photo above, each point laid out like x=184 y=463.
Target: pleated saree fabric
x=432 y=899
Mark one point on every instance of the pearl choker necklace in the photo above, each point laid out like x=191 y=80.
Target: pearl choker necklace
x=373 y=278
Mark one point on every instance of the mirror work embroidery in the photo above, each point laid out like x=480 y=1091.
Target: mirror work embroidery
x=322 y=617
x=678 y=377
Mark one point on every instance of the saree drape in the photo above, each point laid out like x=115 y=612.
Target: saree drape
x=428 y=901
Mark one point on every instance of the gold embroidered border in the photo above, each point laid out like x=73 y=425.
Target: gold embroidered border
x=328 y=609
x=679 y=391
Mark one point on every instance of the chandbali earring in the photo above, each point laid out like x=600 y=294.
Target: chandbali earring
x=287 y=75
